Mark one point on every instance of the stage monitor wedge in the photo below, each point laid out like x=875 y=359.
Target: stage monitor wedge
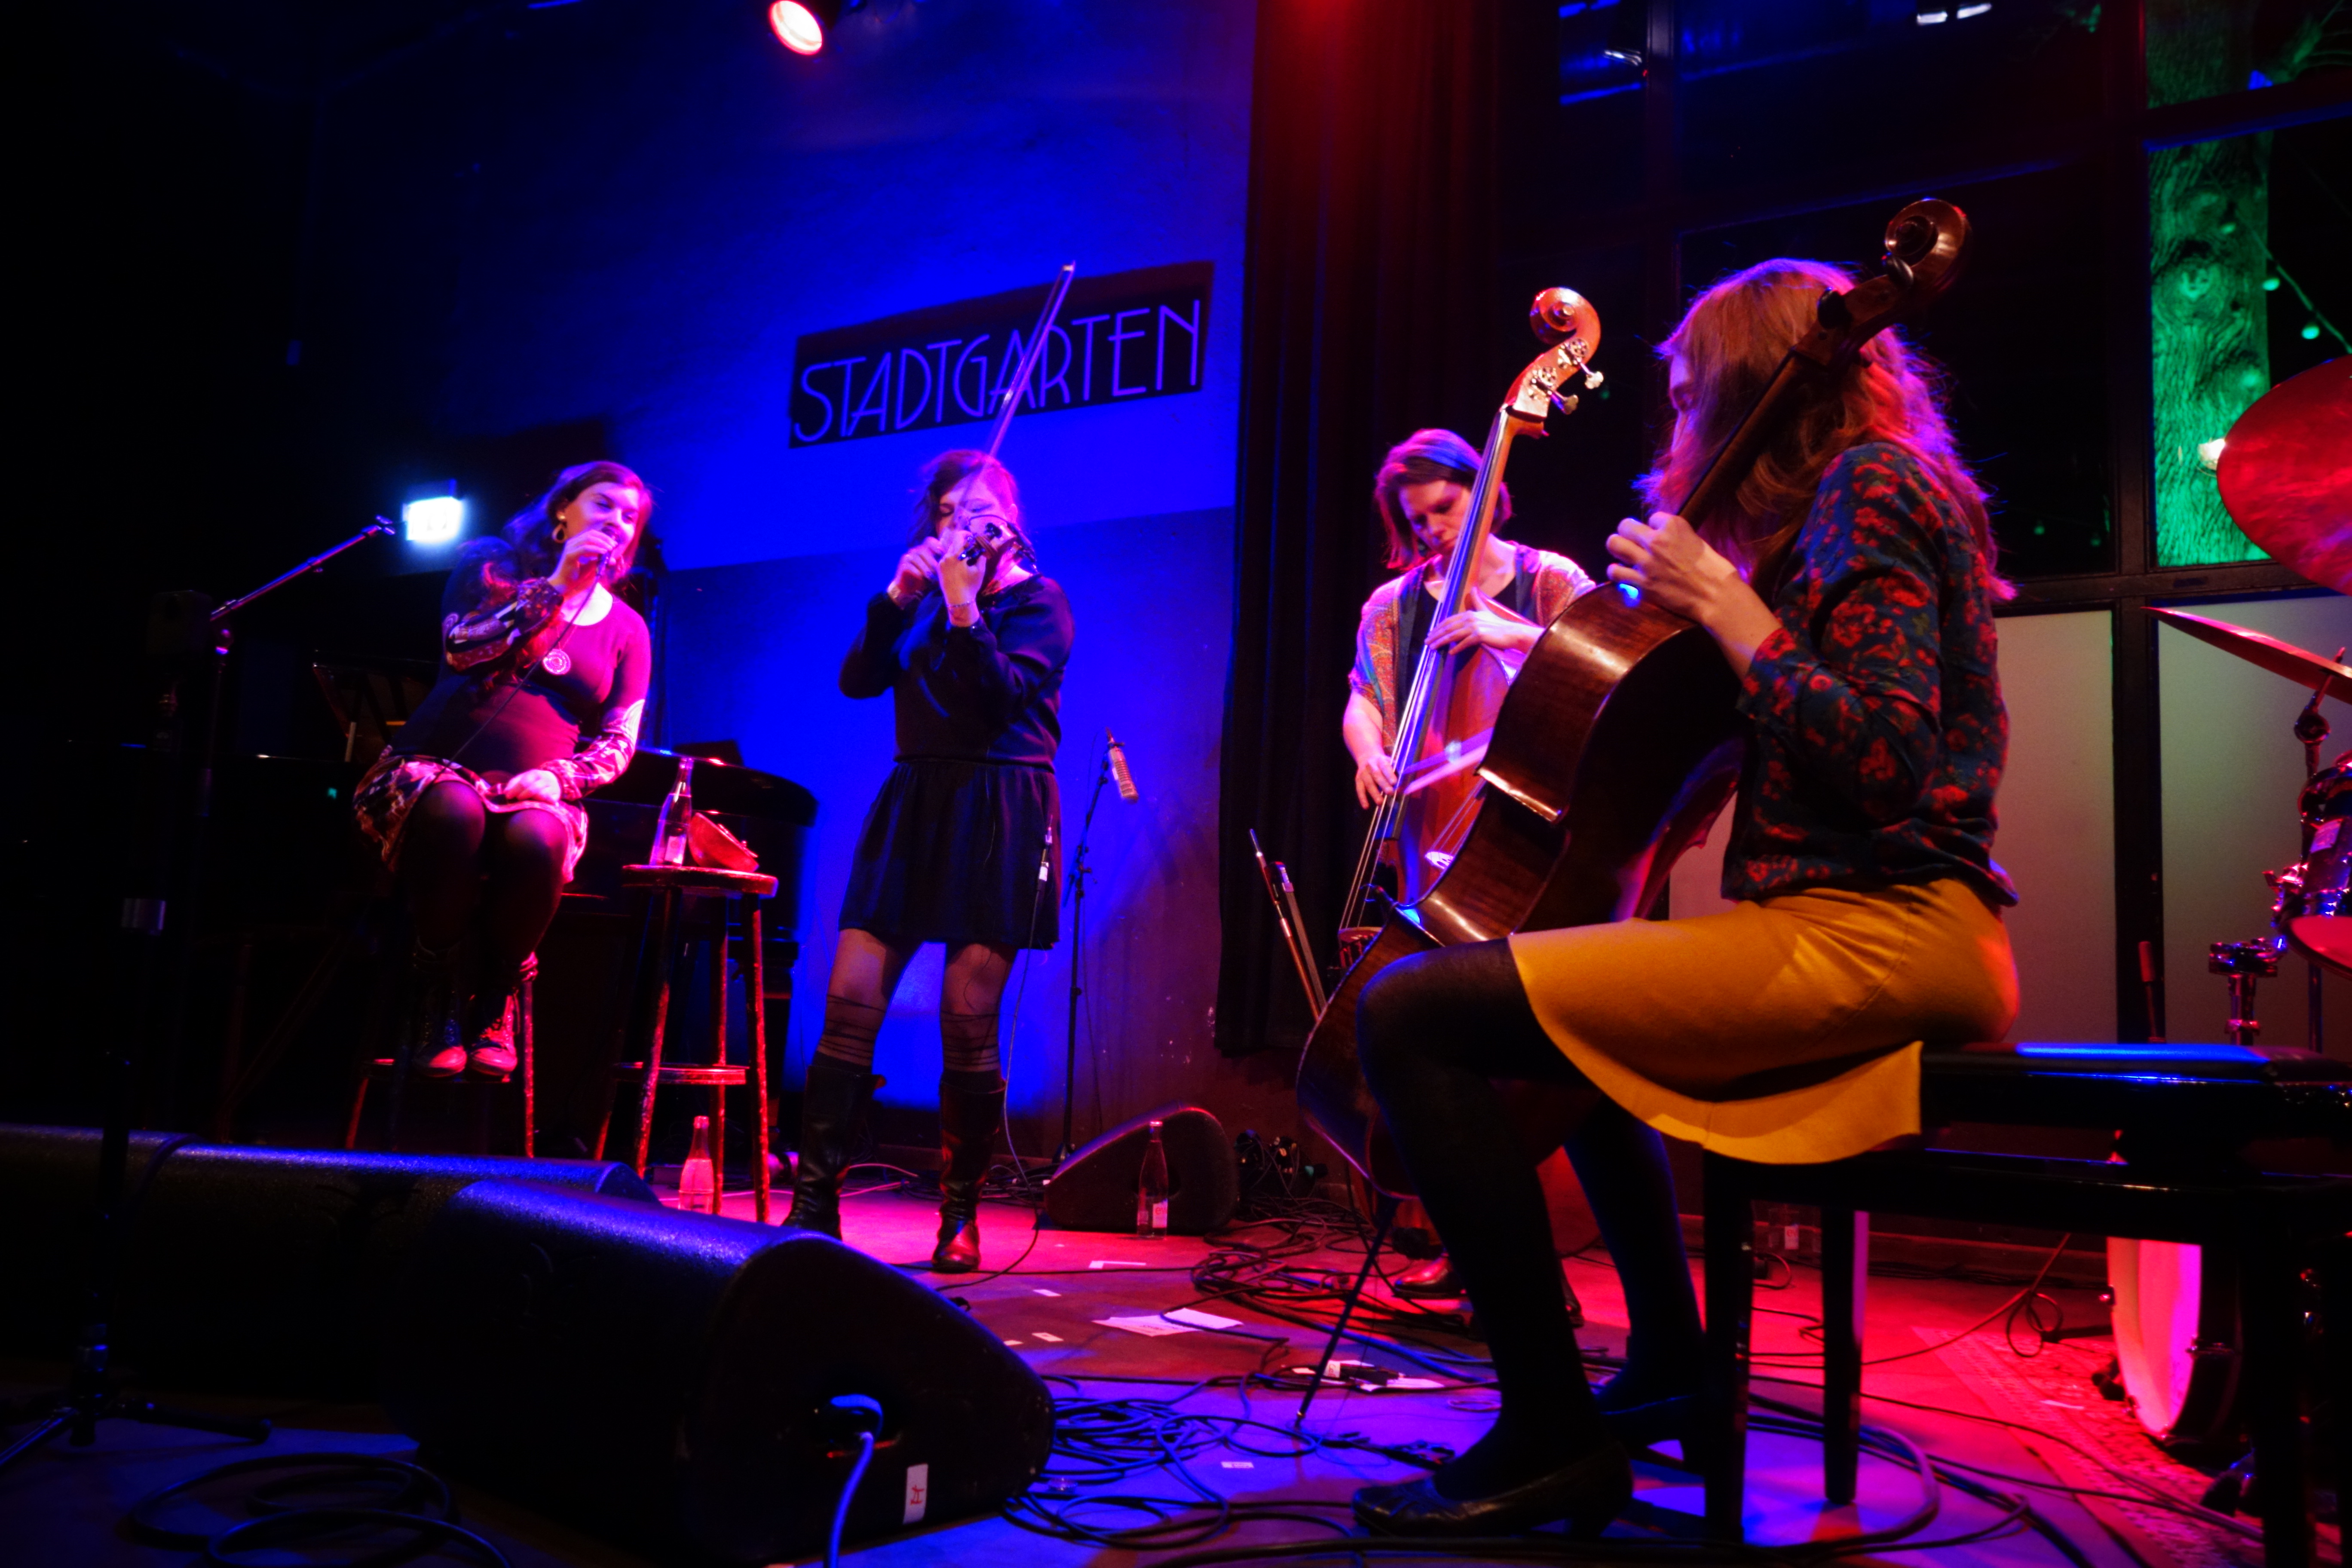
x=246 y=1271
x=1095 y=1187
x=663 y=1378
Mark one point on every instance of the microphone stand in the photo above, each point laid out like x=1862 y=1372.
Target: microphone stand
x=183 y=628
x=1078 y=871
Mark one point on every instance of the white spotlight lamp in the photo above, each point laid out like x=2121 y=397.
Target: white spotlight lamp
x=436 y=517
x=801 y=25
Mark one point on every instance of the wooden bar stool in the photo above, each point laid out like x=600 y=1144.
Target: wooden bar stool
x=388 y=1069
x=667 y=887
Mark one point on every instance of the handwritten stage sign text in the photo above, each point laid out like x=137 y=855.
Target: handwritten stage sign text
x=1121 y=336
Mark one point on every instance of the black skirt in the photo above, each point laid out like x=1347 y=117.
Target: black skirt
x=951 y=851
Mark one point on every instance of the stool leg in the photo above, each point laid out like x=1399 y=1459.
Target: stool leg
x=359 y=1103
x=719 y=1058
x=2272 y=1334
x=623 y=1022
x=755 y=985
x=664 y=912
x=523 y=1040
x=1730 y=1299
x=1845 y=1273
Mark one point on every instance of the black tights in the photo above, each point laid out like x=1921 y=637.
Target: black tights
x=497 y=875
x=1435 y=1032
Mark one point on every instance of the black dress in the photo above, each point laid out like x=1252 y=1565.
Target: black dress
x=964 y=843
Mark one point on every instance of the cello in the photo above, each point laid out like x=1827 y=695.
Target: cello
x=1618 y=743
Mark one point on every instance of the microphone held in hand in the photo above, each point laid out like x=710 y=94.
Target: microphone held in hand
x=1119 y=776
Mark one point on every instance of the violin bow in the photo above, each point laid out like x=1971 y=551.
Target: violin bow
x=1018 y=382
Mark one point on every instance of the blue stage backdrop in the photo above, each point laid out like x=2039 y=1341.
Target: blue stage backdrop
x=644 y=228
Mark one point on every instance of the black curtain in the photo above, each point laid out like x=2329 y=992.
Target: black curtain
x=1381 y=158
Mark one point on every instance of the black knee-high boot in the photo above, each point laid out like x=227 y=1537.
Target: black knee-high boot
x=968 y=1119
x=833 y=1107
x=1622 y=1165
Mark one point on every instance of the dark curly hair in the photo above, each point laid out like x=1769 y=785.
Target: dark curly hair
x=530 y=538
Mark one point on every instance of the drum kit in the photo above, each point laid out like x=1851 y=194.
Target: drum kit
x=2287 y=484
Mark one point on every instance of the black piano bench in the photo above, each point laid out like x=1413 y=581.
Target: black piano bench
x=2184 y=1115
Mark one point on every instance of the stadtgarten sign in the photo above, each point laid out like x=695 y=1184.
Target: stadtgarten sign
x=1122 y=336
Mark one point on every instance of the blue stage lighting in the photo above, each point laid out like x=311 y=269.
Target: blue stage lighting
x=433 y=519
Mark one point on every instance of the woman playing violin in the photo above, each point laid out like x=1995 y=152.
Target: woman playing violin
x=1423 y=493
x=1849 y=582
x=962 y=844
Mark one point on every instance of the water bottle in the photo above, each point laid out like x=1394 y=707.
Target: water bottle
x=697 y=1185
x=677 y=810
x=1151 y=1190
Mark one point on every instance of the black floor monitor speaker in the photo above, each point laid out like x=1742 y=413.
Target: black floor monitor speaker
x=249 y=1270
x=665 y=1378
x=1095 y=1187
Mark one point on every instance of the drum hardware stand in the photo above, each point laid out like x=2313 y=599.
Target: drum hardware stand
x=181 y=629
x=2311 y=729
x=2242 y=963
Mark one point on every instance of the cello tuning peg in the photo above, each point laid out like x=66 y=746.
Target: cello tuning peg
x=1592 y=378
x=1565 y=405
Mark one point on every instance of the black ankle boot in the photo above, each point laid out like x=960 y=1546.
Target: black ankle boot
x=833 y=1107
x=968 y=1119
x=435 y=1049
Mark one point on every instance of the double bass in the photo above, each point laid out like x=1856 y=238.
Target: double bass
x=1618 y=743
x=1448 y=715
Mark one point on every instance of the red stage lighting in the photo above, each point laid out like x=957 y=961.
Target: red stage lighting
x=800 y=27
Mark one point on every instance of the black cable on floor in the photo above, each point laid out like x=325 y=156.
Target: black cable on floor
x=415 y=1506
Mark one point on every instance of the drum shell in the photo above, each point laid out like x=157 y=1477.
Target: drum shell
x=2175 y=1327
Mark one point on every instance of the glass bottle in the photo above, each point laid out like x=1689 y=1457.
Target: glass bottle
x=677 y=811
x=1151 y=1190
x=697 y=1185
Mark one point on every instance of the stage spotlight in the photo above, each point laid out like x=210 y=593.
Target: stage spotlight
x=435 y=519
x=801 y=25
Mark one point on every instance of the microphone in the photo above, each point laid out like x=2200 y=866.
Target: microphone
x=1119 y=776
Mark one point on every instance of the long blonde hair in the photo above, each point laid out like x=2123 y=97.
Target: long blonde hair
x=1732 y=341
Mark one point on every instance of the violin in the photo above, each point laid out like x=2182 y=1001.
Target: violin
x=1619 y=742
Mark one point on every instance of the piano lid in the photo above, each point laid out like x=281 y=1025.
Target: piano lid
x=718 y=787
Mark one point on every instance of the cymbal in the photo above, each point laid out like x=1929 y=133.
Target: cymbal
x=2307 y=670
x=2283 y=476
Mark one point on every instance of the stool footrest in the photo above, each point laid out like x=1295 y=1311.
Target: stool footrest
x=687 y=1072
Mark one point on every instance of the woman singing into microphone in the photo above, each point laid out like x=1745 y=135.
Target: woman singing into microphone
x=476 y=805
x=964 y=843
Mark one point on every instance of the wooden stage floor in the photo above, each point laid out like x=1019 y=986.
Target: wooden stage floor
x=1956 y=1381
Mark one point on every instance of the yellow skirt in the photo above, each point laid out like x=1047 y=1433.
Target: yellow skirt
x=1785 y=1031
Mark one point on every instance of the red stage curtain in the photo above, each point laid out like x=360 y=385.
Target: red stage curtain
x=1378 y=164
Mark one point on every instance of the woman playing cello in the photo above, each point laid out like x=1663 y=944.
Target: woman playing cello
x=1849 y=582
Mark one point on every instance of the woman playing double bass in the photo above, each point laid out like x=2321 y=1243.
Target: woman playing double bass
x=1422 y=496
x=1849 y=582
x=1423 y=493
